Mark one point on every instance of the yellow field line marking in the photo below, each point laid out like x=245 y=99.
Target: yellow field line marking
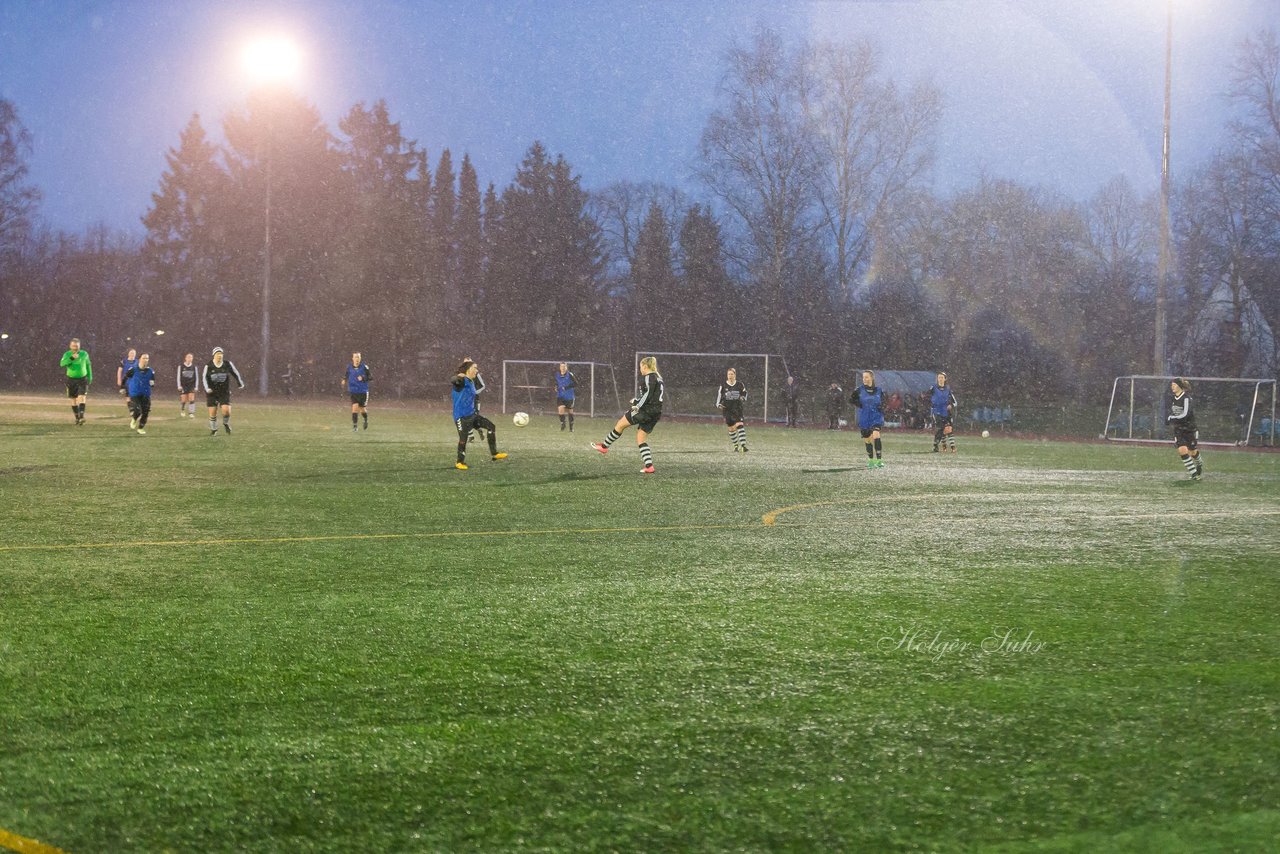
x=343 y=537
x=25 y=846
x=768 y=520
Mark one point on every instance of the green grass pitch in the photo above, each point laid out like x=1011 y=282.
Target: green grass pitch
x=299 y=639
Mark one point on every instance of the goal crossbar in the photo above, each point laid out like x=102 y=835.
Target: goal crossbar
x=1267 y=425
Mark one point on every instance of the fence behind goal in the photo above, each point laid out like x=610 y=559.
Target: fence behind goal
x=691 y=380
x=1228 y=411
x=530 y=386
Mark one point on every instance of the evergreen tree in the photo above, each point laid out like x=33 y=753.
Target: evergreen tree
x=469 y=234
x=185 y=254
x=546 y=259
x=380 y=271
x=657 y=318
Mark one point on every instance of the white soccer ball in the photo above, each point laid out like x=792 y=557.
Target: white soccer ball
x=521 y=419
x=986 y=434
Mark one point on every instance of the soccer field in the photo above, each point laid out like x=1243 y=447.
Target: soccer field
x=295 y=638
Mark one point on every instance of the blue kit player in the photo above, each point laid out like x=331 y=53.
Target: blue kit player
x=465 y=415
x=139 y=379
x=565 y=385
x=358 y=388
x=942 y=405
x=869 y=399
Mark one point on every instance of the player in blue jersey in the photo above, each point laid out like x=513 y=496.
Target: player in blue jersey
x=358 y=387
x=645 y=412
x=465 y=415
x=869 y=399
x=139 y=379
x=565 y=385
x=130 y=359
x=942 y=405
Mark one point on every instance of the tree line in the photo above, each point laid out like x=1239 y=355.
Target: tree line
x=817 y=237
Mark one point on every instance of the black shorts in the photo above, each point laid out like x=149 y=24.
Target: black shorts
x=940 y=421
x=218 y=398
x=643 y=420
x=1189 y=438
x=140 y=402
x=566 y=402
x=471 y=422
x=77 y=386
x=866 y=434
x=360 y=398
x=732 y=416
x=187 y=388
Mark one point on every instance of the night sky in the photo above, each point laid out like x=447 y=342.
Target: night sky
x=1064 y=94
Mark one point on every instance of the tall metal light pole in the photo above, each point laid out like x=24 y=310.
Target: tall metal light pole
x=270 y=62
x=264 y=372
x=1162 y=271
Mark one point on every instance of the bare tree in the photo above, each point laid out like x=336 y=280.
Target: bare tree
x=621 y=207
x=875 y=144
x=759 y=157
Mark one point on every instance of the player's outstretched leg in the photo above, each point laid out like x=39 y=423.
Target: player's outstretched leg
x=646 y=456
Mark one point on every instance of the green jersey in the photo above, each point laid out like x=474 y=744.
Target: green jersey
x=79 y=368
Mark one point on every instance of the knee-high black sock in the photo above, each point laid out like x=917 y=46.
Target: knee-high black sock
x=570 y=420
x=562 y=422
x=462 y=450
x=937 y=437
x=365 y=415
x=877 y=445
x=493 y=443
x=355 y=419
x=870 y=451
x=75 y=410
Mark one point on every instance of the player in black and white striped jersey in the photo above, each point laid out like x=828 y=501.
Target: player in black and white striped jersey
x=730 y=397
x=645 y=412
x=188 y=382
x=1183 y=421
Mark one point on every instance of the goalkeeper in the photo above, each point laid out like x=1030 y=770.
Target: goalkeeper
x=645 y=411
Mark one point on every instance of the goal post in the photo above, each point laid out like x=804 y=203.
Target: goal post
x=529 y=385
x=1228 y=410
x=691 y=379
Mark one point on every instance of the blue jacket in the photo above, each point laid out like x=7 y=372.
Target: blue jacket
x=464 y=398
x=941 y=401
x=358 y=379
x=565 y=385
x=139 y=381
x=870 y=403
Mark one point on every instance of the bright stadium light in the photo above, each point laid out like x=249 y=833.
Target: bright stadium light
x=271 y=60
x=4 y=336
x=159 y=331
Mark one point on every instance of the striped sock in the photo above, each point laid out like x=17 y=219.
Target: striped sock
x=1189 y=463
x=742 y=436
x=951 y=441
x=646 y=454
x=733 y=437
x=613 y=436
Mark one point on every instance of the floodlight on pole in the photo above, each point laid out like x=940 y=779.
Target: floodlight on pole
x=1163 y=262
x=271 y=61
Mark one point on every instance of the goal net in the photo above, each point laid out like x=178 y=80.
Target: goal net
x=530 y=386
x=1228 y=411
x=691 y=380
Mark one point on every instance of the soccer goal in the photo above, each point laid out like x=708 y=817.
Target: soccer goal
x=1228 y=411
x=690 y=381
x=530 y=386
